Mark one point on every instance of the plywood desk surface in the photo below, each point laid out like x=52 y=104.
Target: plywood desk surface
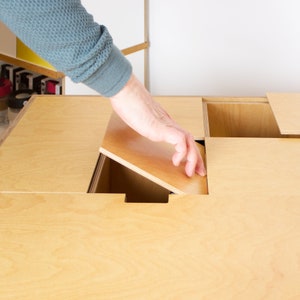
x=187 y=111
x=253 y=166
x=239 y=242
x=87 y=246
x=55 y=145
x=286 y=108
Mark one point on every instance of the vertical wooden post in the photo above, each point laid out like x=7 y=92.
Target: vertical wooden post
x=146 y=39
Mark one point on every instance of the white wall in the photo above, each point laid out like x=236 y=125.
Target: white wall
x=198 y=47
x=224 y=47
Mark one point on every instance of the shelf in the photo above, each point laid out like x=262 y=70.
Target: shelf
x=31 y=67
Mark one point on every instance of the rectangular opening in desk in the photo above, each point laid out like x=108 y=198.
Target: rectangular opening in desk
x=112 y=177
x=241 y=120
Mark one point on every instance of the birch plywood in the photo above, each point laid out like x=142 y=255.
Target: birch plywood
x=253 y=166
x=233 y=119
x=187 y=111
x=75 y=246
x=55 y=145
x=286 y=108
x=149 y=159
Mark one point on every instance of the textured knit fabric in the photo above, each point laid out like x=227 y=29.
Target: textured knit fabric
x=64 y=34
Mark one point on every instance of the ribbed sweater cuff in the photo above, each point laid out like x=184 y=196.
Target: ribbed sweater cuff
x=112 y=76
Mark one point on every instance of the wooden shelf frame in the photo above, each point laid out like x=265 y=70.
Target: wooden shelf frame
x=56 y=74
x=31 y=66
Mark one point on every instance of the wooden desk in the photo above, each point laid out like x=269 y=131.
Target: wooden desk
x=91 y=246
x=187 y=111
x=286 y=108
x=55 y=145
x=253 y=166
x=241 y=241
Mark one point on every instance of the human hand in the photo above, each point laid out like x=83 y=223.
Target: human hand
x=138 y=110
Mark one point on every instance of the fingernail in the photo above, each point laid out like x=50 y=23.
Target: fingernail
x=203 y=172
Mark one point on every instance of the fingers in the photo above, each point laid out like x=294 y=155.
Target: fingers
x=181 y=150
x=192 y=158
x=187 y=150
x=200 y=167
x=137 y=109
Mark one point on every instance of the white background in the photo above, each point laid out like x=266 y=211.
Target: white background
x=224 y=47
x=206 y=47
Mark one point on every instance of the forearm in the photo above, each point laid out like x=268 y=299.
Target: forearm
x=63 y=33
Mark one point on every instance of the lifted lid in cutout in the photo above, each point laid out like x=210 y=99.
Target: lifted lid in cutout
x=149 y=159
x=286 y=109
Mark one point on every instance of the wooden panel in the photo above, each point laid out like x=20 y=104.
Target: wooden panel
x=186 y=111
x=31 y=67
x=55 y=145
x=286 y=108
x=71 y=246
x=149 y=159
x=241 y=120
x=253 y=166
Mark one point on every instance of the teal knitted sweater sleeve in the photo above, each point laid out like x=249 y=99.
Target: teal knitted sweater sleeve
x=65 y=34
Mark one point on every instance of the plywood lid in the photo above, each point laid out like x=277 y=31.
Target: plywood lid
x=286 y=109
x=149 y=159
x=253 y=166
x=54 y=145
x=187 y=111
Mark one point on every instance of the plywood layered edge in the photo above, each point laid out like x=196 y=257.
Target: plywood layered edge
x=286 y=109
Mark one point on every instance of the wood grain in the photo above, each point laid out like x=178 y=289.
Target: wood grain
x=253 y=166
x=245 y=119
x=135 y=48
x=149 y=159
x=31 y=67
x=186 y=111
x=286 y=108
x=55 y=145
x=76 y=246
